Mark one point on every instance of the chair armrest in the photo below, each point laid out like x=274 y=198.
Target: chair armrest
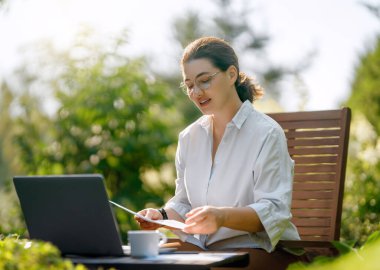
x=305 y=244
x=310 y=249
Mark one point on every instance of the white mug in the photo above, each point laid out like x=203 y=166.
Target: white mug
x=145 y=243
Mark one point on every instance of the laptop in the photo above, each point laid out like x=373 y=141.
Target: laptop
x=70 y=211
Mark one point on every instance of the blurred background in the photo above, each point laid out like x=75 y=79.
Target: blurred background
x=93 y=87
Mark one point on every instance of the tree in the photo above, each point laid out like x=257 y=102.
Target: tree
x=361 y=213
x=113 y=118
x=10 y=216
x=230 y=20
x=366 y=85
x=6 y=98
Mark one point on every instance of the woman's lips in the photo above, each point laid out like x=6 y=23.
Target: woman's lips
x=204 y=102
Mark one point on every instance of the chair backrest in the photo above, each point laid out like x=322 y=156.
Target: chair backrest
x=317 y=142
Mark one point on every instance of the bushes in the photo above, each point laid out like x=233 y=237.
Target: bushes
x=361 y=206
x=363 y=258
x=23 y=254
x=112 y=117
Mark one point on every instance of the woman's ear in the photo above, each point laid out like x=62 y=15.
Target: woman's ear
x=232 y=74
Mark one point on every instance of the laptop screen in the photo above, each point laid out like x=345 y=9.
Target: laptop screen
x=71 y=211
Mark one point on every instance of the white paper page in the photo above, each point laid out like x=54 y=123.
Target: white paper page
x=169 y=222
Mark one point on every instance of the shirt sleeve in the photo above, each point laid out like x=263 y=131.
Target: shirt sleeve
x=180 y=202
x=273 y=180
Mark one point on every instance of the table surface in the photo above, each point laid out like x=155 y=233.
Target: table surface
x=175 y=260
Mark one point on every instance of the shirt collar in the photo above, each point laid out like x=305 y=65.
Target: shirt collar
x=242 y=114
x=238 y=119
x=206 y=122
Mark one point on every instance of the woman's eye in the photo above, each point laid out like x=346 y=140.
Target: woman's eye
x=204 y=80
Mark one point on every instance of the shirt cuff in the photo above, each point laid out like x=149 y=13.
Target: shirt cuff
x=180 y=208
x=269 y=238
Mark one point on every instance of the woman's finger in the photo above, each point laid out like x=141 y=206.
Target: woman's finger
x=200 y=228
x=142 y=212
x=151 y=213
x=196 y=217
x=148 y=225
x=191 y=228
x=194 y=211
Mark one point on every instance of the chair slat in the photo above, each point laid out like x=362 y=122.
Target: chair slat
x=323 y=177
x=314 y=160
x=309 y=124
x=314 y=115
x=315 y=238
x=314 y=133
x=313 y=151
x=304 y=195
x=311 y=204
x=313 y=186
x=315 y=168
x=310 y=222
x=312 y=212
x=316 y=231
x=313 y=142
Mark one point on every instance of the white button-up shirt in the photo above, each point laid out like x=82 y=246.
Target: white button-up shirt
x=252 y=168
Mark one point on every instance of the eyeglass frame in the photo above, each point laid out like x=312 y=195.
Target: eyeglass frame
x=185 y=89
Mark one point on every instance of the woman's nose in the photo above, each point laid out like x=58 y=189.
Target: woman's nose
x=197 y=91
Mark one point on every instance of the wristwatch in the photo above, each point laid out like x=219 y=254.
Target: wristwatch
x=163 y=213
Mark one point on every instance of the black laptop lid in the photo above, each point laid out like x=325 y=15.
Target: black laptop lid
x=71 y=211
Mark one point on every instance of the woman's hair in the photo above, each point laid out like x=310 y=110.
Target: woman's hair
x=222 y=56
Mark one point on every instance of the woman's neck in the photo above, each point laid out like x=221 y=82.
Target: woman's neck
x=220 y=121
x=222 y=118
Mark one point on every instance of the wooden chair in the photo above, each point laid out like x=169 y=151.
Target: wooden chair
x=318 y=143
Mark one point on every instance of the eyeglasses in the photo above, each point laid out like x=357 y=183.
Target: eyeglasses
x=203 y=83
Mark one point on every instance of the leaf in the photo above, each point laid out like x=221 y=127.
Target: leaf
x=373 y=237
x=343 y=248
x=351 y=243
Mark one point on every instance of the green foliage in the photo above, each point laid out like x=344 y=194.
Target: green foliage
x=5 y=100
x=361 y=206
x=113 y=118
x=188 y=29
x=365 y=96
x=32 y=255
x=364 y=258
x=373 y=237
x=7 y=156
x=231 y=20
x=344 y=247
x=10 y=220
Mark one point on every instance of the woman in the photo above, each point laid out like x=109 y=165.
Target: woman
x=234 y=173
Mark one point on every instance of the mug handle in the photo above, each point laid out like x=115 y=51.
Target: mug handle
x=163 y=238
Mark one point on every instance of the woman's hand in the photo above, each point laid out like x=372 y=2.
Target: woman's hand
x=204 y=220
x=151 y=213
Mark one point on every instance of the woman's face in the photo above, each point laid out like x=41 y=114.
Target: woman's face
x=207 y=86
